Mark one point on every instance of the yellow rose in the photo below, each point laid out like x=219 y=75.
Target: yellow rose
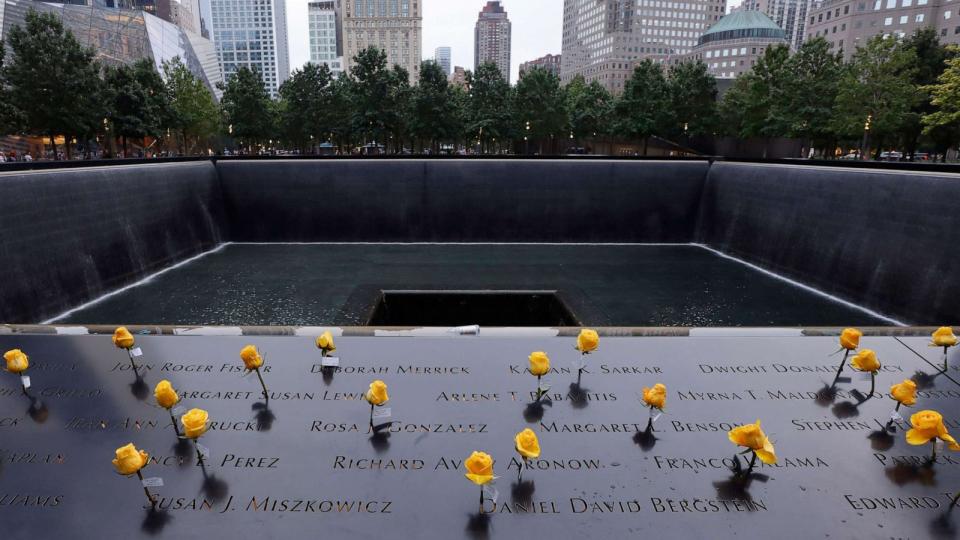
x=17 y=361
x=527 y=444
x=928 y=425
x=251 y=357
x=587 y=341
x=325 y=342
x=539 y=363
x=166 y=396
x=866 y=360
x=944 y=337
x=194 y=423
x=850 y=338
x=122 y=338
x=655 y=397
x=752 y=437
x=905 y=392
x=377 y=394
x=130 y=460
x=479 y=468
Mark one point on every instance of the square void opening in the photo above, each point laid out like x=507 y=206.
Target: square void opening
x=459 y=308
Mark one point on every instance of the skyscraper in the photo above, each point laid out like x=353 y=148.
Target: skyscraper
x=491 y=41
x=394 y=26
x=604 y=39
x=324 y=25
x=252 y=33
x=790 y=15
x=442 y=56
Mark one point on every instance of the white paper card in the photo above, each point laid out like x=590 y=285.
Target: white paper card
x=491 y=492
x=135 y=352
x=656 y=417
x=896 y=416
x=204 y=451
x=864 y=376
x=580 y=363
x=156 y=481
x=543 y=387
x=381 y=413
x=330 y=361
x=938 y=444
x=178 y=410
x=25 y=380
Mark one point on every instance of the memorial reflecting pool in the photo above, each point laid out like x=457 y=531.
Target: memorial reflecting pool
x=340 y=284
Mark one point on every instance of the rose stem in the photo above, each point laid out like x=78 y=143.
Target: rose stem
x=753 y=461
x=23 y=386
x=933 y=456
x=873 y=382
x=843 y=362
x=481 y=499
x=199 y=455
x=945 y=366
x=371 y=414
x=898 y=407
x=263 y=384
x=145 y=490
x=132 y=363
x=175 y=428
x=539 y=395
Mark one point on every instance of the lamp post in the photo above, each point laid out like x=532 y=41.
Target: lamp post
x=866 y=133
x=526 y=140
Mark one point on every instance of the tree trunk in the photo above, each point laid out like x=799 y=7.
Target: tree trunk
x=646 y=142
x=66 y=146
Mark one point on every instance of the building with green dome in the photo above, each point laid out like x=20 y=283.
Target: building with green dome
x=732 y=45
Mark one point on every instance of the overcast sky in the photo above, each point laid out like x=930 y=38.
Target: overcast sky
x=537 y=29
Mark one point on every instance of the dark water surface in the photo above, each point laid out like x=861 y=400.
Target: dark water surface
x=338 y=284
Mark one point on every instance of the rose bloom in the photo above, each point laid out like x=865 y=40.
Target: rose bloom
x=527 y=444
x=194 y=423
x=17 y=361
x=325 y=342
x=129 y=460
x=928 y=425
x=122 y=338
x=655 y=397
x=479 y=468
x=166 y=396
x=251 y=357
x=588 y=340
x=866 y=360
x=752 y=437
x=377 y=393
x=539 y=363
x=944 y=337
x=905 y=392
x=850 y=338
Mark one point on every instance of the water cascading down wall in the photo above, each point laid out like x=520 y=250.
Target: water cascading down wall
x=879 y=238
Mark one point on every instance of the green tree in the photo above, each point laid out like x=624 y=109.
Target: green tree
x=137 y=105
x=693 y=99
x=878 y=86
x=931 y=61
x=589 y=107
x=340 y=114
x=809 y=93
x=540 y=105
x=943 y=123
x=750 y=108
x=490 y=108
x=9 y=116
x=194 y=114
x=398 y=106
x=433 y=115
x=246 y=107
x=53 y=81
x=643 y=108
x=371 y=93
x=304 y=106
